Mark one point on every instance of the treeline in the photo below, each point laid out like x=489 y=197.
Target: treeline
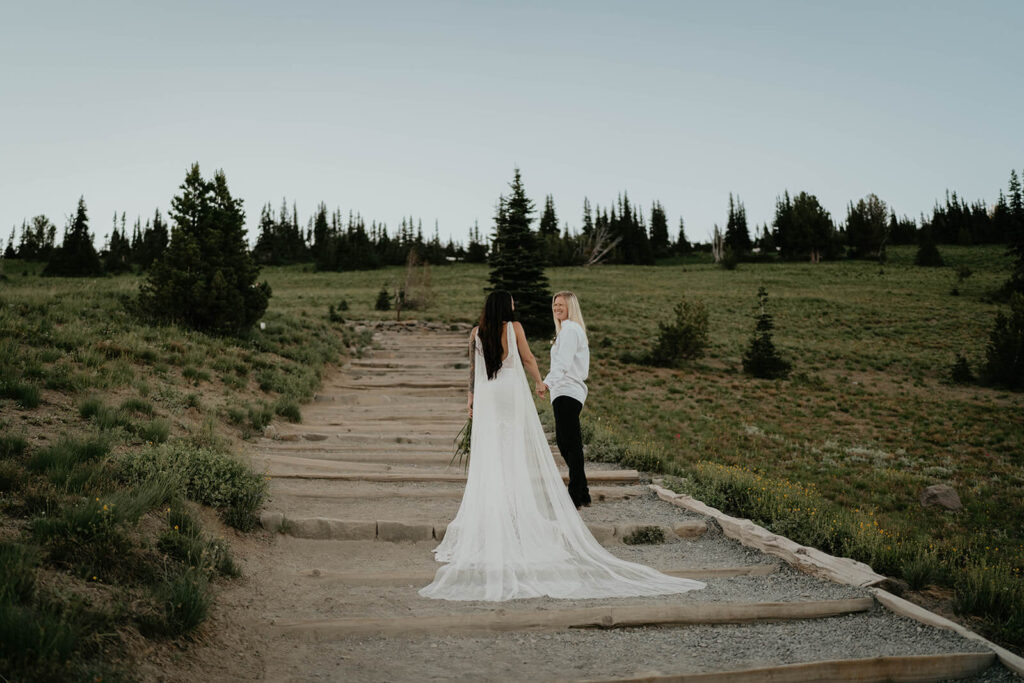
x=620 y=233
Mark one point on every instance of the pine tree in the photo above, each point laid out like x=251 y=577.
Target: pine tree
x=761 y=358
x=867 y=227
x=206 y=279
x=516 y=265
x=737 y=235
x=548 y=219
x=76 y=256
x=1015 y=225
x=659 y=230
x=927 y=253
x=682 y=245
x=588 y=220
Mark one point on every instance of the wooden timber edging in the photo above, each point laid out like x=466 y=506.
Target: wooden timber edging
x=422 y=578
x=606 y=476
x=588 y=617
x=916 y=668
x=839 y=569
x=810 y=560
x=402 y=530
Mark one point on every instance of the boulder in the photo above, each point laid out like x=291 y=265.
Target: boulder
x=942 y=496
x=694 y=528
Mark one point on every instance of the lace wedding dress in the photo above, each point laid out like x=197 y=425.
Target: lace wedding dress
x=517 y=533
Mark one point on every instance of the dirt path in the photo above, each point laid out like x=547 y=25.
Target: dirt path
x=360 y=493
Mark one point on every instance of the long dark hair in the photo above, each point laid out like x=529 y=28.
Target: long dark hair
x=497 y=310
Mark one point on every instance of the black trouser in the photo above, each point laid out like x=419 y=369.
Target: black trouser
x=570 y=443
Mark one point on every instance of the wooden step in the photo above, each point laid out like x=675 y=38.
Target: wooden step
x=587 y=617
x=405 y=578
x=907 y=669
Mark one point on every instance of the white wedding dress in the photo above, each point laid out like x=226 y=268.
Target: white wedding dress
x=517 y=533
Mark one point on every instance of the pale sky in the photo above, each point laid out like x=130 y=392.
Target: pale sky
x=424 y=108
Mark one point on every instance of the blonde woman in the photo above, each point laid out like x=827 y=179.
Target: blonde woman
x=570 y=366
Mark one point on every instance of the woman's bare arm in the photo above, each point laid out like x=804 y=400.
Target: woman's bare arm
x=472 y=370
x=529 y=362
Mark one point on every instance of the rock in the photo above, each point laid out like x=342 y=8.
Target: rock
x=941 y=495
x=694 y=528
x=331 y=529
x=272 y=521
x=314 y=437
x=289 y=437
x=603 y=533
x=270 y=432
x=399 y=531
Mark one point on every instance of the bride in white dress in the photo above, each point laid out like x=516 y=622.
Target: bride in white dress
x=517 y=533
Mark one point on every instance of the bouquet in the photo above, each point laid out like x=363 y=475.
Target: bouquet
x=461 y=445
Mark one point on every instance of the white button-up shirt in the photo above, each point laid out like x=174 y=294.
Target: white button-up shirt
x=570 y=363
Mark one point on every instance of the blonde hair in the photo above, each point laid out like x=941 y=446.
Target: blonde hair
x=575 y=314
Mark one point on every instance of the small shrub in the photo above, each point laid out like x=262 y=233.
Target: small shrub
x=89 y=408
x=17 y=566
x=86 y=538
x=206 y=476
x=12 y=445
x=12 y=476
x=36 y=644
x=26 y=395
x=193 y=401
x=685 y=338
x=260 y=416
x=961 y=373
x=921 y=570
x=235 y=414
x=730 y=259
x=137 y=405
x=334 y=316
x=646 y=535
x=68 y=452
x=154 y=431
x=383 y=302
x=185 y=601
x=288 y=409
x=196 y=375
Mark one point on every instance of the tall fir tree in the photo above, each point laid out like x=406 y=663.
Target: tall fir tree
x=76 y=256
x=867 y=227
x=737 y=234
x=682 y=245
x=206 y=279
x=1015 y=230
x=516 y=265
x=659 y=230
x=548 y=219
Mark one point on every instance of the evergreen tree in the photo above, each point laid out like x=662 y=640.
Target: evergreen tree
x=682 y=245
x=867 y=227
x=903 y=230
x=118 y=256
x=10 y=252
x=37 y=239
x=516 y=265
x=76 y=256
x=927 y=253
x=1015 y=230
x=1004 y=355
x=737 y=235
x=761 y=358
x=476 y=252
x=659 y=230
x=804 y=228
x=548 y=219
x=588 y=220
x=321 y=234
x=206 y=279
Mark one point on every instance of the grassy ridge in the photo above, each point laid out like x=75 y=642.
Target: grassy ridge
x=112 y=435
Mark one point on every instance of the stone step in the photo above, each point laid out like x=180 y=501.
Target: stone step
x=588 y=617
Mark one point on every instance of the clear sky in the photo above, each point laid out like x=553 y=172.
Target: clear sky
x=424 y=108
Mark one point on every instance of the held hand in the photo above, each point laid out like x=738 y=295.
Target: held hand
x=542 y=389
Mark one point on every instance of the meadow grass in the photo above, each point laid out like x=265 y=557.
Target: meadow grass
x=86 y=390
